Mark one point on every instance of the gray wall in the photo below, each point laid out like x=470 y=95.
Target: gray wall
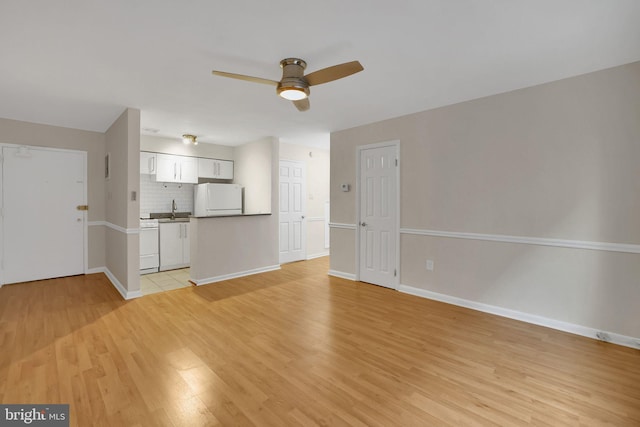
x=555 y=161
x=123 y=248
x=254 y=171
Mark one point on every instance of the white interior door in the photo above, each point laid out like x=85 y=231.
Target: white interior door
x=42 y=228
x=293 y=233
x=378 y=223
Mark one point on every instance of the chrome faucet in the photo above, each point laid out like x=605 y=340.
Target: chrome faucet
x=174 y=208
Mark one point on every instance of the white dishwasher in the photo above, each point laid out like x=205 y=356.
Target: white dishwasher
x=149 y=246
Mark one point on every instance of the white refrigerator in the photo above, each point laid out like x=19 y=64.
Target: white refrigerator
x=217 y=199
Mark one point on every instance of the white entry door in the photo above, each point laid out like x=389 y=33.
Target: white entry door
x=42 y=228
x=293 y=233
x=378 y=223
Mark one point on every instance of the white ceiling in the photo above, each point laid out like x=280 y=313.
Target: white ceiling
x=79 y=63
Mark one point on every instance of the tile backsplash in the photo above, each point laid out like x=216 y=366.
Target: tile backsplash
x=157 y=196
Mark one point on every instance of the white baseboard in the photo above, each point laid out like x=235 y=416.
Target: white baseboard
x=342 y=275
x=525 y=317
x=235 y=275
x=318 y=255
x=116 y=283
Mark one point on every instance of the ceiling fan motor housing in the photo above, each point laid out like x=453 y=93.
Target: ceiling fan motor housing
x=293 y=76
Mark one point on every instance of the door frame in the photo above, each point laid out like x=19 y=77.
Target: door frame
x=303 y=165
x=392 y=143
x=85 y=214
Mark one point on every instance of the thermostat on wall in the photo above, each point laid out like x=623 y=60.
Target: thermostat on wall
x=345 y=187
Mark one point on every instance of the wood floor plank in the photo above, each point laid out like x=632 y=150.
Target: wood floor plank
x=298 y=347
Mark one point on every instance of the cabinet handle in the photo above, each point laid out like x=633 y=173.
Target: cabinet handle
x=185 y=231
x=175 y=170
x=152 y=164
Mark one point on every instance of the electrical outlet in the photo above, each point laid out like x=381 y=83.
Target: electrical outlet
x=430 y=265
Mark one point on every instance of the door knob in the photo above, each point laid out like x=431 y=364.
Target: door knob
x=364 y=224
x=302 y=217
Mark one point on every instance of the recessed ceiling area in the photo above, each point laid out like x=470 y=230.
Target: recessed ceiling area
x=80 y=63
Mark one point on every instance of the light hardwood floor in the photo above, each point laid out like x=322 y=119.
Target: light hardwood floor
x=297 y=347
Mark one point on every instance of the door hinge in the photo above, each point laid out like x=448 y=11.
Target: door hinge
x=396 y=162
x=395 y=272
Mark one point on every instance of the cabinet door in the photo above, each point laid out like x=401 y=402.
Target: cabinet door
x=147 y=163
x=171 y=245
x=167 y=168
x=225 y=169
x=213 y=168
x=186 y=243
x=188 y=169
x=205 y=168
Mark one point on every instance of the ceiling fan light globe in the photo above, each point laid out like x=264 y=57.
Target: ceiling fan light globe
x=292 y=94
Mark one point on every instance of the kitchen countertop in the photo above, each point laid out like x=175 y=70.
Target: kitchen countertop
x=232 y=215
x=166 y=220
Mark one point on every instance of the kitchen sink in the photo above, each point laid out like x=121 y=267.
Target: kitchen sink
x=163 y=220
x=170 y=217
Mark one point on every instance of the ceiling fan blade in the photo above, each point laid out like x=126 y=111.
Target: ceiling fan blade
x=336 y=72
x=243 y=77
x=302 y=104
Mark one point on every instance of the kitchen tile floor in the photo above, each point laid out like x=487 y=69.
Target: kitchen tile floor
x=164 y=281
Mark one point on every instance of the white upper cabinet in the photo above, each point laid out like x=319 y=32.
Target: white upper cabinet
x=189 y=170
x=225 y=169
x=171 y=168
x=214 y=168
x=147 y=163
x=183 y=169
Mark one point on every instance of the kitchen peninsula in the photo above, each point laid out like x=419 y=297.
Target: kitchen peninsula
x=225 y=247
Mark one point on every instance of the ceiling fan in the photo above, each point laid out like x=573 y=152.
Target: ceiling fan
x=294 y=85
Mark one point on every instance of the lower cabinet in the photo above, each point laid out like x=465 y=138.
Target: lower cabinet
x=174 y=245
